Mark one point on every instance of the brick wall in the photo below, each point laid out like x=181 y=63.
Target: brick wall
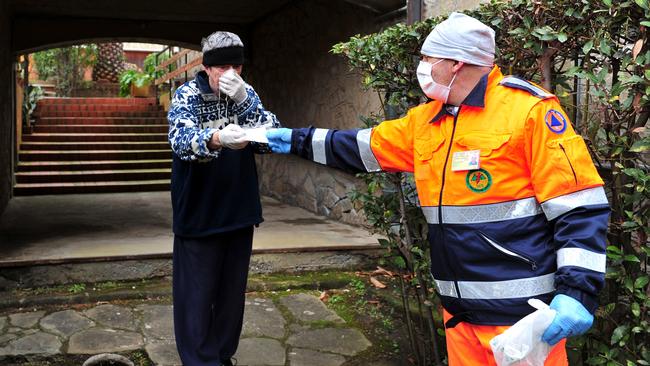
x=304 y=84
x=6 y=121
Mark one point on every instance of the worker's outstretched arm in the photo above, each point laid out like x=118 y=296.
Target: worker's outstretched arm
x=386 y=147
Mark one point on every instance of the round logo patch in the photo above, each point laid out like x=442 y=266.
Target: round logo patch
x=555 y=121
x=479 y=180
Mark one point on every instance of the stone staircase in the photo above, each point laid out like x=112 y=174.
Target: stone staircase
x=95 y=145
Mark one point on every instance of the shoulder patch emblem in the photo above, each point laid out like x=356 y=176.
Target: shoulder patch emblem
x=522 y=84
x=555 y=121
x=478 y=181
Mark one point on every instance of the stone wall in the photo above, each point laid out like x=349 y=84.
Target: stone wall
x=6 y=115
x=304 y=84
x=434 y=8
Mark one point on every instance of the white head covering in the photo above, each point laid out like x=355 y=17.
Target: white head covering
x=461 y=38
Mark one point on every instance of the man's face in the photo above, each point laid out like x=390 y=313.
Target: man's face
x=215 y=72
x=441 y=71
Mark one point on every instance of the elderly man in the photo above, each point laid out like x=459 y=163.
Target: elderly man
x=215 y=200
x=515 y=207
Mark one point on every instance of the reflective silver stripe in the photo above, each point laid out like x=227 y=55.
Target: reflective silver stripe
x=367 y=156
x=318 y=145
x=563 y=204
x=431 y=214
x=484 y=213
x=446 y=288
x=538 y=91
x=581 y=258
x=495 y=290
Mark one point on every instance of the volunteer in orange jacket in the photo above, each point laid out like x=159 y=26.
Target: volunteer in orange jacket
x=515 y=207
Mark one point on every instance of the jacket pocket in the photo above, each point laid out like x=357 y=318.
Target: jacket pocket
x=486 y=143
x=507 y=252
x=425 y=163
x=426 y=146
x=572 y=157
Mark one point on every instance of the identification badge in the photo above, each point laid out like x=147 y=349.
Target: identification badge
x=466 y=160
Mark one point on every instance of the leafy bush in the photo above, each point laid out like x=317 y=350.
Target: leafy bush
x=137 y=78
x=145 y=77
x=594 y=55
x=34 y=93
x=65 y=66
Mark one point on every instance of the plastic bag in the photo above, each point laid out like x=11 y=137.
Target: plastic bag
x=522 y=344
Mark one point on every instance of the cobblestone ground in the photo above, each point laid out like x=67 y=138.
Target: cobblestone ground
x=293 y=330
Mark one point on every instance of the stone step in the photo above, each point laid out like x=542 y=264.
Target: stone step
x=90 y=137
x=83 y=100
x=93 y=176
x=101 y=128
x=32 y=189
x=40 y=166
x=96 y=145
x=42 y=121
x=47 y=108
x=116 y=113
x=93 y=155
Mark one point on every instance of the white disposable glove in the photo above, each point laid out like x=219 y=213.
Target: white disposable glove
x=232 y=137
x=231 y=84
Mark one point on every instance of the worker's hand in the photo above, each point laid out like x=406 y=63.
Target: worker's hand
x=571 y=319
x=231 y=84
x=232 y=137
x=279 y=140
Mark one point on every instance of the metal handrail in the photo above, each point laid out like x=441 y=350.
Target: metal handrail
x=171 y=74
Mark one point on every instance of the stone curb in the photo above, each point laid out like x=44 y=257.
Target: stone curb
x=7 y=302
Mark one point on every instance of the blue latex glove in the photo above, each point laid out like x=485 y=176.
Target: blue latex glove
x=571 y=319
x=279 y=140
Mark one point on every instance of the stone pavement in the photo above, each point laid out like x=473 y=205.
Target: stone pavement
x=83 y=227
x=293 y=330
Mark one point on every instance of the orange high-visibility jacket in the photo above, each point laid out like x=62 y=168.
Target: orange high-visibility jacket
x=515 y=206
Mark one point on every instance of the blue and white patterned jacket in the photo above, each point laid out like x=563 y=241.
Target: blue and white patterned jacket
x=213 y=191
x=196 y=112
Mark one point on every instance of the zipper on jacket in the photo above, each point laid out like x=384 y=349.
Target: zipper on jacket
x=575 y=177
x=442 y=187
x=508 y=252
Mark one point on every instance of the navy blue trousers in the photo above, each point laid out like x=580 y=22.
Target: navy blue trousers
x=209 y=288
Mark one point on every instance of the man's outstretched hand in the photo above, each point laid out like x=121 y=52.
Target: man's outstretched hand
x=279 y=140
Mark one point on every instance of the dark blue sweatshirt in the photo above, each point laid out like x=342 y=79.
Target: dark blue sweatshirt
x=213 y=191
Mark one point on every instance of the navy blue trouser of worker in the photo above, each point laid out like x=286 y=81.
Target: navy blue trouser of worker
x=209 y=287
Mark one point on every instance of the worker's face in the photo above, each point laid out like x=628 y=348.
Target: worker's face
x=215 y=72
x=442 y=70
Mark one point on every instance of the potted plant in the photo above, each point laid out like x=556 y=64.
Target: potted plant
x=135 y=83
x=29 y=105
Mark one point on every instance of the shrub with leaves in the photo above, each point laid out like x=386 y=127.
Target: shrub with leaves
x=594 y=55
x=65 y=66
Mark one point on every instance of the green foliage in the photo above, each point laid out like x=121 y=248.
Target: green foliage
x=34 y=93
x=77 y=288
x=151 y=61
x=594 y=55
x=145 y=77
x=137 y=78
x=65 y=66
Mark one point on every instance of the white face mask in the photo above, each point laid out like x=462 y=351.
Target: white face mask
x=430 y=88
